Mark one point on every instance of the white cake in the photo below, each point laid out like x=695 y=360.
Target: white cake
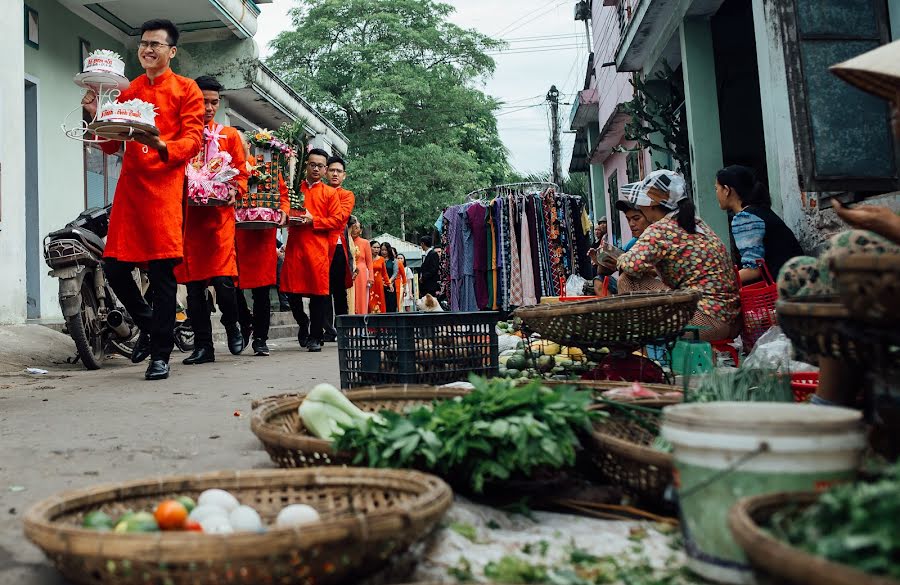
x=103 y=61
x=130 y=112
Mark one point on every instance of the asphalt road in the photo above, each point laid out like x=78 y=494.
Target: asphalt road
x=71 y=428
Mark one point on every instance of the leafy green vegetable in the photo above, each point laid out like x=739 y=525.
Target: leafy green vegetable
x=742 y=385
x=462 y=572
x=465 y=530
x=496 y=432
x=853 y=524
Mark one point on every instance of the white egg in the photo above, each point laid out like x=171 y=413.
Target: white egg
x=201 y=513
x=296 y=515
x=245 y=519
x=220 y=498
x=216 y=525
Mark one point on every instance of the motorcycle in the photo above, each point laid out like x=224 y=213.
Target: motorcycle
x=94 y=318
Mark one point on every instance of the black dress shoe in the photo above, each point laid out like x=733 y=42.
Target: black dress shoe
x=247 y=333
x=260 y=347
x=313 y=345
x=235 y=339
x=141 y=349
x=157 y=370
x=330 y=335
x=303 y=338
x=200 y=355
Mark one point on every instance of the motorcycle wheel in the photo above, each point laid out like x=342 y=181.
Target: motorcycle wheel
x=85 y=329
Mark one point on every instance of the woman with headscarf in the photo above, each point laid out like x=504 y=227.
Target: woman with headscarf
x=684 y=252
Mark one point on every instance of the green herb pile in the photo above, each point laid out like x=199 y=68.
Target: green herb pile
x=496 y=432
x=854 y=524
x=742 y=385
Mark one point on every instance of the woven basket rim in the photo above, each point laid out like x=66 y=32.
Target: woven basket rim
x=782 y=560
x=434 y=498
x=867 y=262
x=268 y=408
x=640 y=453
x=611 y=304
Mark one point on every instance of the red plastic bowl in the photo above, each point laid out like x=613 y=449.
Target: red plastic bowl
x=804 y=385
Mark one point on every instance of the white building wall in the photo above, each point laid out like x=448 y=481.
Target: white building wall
x=12 y=164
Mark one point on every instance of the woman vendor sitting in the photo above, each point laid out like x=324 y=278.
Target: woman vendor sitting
x=756 y=232
x=683 y=252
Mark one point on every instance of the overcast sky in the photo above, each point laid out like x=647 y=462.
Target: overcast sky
x=546 y=47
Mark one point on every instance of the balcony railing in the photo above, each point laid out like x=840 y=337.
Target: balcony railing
x=625 y=10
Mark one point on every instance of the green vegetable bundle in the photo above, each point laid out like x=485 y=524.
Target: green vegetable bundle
x=496 y=432
x=742 y=385
x=855 y=524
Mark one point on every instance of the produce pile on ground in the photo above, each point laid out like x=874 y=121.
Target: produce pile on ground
x=853 y=524
x=533 y=357
x=498 y=431
x=215 y=512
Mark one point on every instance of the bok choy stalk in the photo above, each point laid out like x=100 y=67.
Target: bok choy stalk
x=325 y=411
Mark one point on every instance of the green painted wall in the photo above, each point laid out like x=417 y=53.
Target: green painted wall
x=894 y=15
x=701 y=97
x=232 y=62
x=598 y=181
x=60 y=159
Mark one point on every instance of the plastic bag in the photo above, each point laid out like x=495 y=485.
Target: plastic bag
x=575 y=286
x=773 y=350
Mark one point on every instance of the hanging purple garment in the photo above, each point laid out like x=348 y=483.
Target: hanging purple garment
x=531 y=214
x=477 y=214
x=456 y=256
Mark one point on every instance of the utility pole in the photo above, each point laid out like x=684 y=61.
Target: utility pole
x=553 y=98
x=402 y=212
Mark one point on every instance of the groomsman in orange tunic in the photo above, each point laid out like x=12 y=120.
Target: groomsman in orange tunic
x=209 y=256
x=307 y=258
x=146 y=220
x=340 y=275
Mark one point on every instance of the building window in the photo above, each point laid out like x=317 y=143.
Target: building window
x=614 y=227
x=32 y=28
x=85 y=50
x=101 y=175
x=842 y=134
x=633 y=166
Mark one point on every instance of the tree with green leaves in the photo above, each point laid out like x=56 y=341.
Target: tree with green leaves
x=401 y=81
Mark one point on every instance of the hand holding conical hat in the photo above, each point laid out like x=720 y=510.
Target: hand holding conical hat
x=877 y=71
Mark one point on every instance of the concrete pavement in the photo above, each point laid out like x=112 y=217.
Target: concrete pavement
x=71 y=428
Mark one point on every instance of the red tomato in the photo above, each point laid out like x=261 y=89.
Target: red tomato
x=192 y=526
x=170 y=515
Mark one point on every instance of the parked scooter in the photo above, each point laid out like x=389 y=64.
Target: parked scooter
x=96 y=321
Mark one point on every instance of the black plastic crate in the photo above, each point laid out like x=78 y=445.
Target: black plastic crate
x=416 y=348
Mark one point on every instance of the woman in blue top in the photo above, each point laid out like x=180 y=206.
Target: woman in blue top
x=757 y=233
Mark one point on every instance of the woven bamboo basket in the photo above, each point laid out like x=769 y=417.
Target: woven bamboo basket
x=778 y=563
x=368 y=516
x=622 y=450
x=619 y=321
x=277 y=423
x=817 y=327
x=869 y=286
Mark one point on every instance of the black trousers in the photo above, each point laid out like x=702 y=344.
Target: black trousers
x=318 y=314
x=260 y=317
x=198 y=307
x=337 y=301
x=158 y=320
x=390 y=300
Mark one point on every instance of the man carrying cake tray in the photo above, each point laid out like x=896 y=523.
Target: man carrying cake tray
x=258 y=259
x=307 y=256
x=209 y=232
x=146 y=220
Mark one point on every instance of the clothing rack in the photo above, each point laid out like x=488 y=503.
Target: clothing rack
x=541 y=187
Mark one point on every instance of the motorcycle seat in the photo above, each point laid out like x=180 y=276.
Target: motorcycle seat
x=90 y=240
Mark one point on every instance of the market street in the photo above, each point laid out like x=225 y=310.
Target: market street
x=72 y=428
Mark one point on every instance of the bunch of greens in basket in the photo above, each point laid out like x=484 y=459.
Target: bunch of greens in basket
x=496 y=432
x=853 y=524
x=742 y=385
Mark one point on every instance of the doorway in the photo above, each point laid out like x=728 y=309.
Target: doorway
x=33 y=252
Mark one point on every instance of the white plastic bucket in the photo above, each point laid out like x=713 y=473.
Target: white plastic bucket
x=725 y=451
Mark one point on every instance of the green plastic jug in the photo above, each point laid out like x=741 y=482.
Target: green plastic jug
x=690 y=355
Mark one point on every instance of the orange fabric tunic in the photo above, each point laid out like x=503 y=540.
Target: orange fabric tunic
x=400 y=283
x=257 y=259
x=147 y=212
x=306 y=258
x=348 y=201
x=209 y=231
x=380 y=280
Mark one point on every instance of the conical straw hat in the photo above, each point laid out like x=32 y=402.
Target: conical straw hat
x=877 y=72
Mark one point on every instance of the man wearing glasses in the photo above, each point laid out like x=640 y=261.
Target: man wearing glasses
x=146 y=219
x=307 y=258
x=341 y=271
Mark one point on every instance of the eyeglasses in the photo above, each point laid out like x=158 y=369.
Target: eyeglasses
x=155 y=45
x=313 y=165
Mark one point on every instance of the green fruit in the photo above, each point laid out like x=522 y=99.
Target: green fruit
x=137 y=522
x=516 y=362
x=97 y=520
x=187 y=502
x=545 y=363
x=513 y=373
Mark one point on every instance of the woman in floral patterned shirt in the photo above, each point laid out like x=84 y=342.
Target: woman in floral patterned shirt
x=680 y=252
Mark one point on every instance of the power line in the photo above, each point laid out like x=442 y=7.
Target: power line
x=541 y=49
x=533 y=15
